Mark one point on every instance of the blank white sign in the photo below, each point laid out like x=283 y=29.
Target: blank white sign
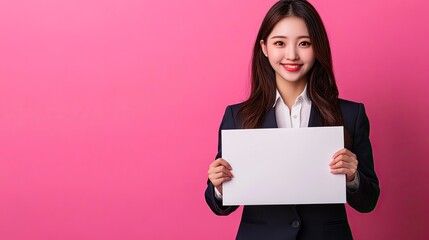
x=283 y=166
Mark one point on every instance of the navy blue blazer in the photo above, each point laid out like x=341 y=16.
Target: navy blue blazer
x=316 y=221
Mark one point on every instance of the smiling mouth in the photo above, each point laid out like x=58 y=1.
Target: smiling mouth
x=292 y=67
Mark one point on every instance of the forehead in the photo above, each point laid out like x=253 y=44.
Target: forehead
x=290 y=27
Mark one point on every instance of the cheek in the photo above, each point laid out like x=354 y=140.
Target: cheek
x=275 y=57
x=273 y=62
x=309 y=58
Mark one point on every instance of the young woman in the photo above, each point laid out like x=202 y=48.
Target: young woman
x=293 y=85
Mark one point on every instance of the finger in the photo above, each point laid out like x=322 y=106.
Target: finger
x=217 y=182
x=218 y=172
x=220 y=161
x=343 y=157
x=344 y=165
x=337 y=159
x=339 y=152
x=215 y=163
x=346 y=171
x=224 y=170
x=344 y=151
x=215 y=174
x=224 y=163
x=350 y=175
x=220 y=181
x=221 y=175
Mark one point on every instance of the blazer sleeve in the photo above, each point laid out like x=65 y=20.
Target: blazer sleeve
x=228 y=122
x=366 y=196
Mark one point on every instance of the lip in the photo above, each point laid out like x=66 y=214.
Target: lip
x=292 y=67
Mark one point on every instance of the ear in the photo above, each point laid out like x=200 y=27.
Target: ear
x=264 y=48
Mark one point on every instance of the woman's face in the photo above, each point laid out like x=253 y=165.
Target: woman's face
x=289 y=50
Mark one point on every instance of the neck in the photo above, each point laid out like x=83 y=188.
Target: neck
x=289 y=91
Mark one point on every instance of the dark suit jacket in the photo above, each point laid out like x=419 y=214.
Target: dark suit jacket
x=318 y=221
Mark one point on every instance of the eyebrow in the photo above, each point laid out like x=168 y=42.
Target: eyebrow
x=286 y=37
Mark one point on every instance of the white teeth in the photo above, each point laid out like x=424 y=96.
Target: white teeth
x=292 y=66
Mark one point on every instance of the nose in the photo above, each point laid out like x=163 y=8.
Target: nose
x=291 y=52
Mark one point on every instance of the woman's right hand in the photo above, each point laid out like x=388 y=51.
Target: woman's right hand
x=219 y=172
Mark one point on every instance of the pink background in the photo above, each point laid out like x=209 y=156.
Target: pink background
x=109 y=112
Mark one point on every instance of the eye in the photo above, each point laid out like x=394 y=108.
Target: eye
x=305 y=44
x=279 y=43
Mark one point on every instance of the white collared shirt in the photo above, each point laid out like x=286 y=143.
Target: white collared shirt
x=296 y=117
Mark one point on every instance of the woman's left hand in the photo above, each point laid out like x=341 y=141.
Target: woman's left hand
x=344 y=161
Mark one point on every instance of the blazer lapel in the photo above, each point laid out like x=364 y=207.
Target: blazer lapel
x=314 y=120
x=270 y=119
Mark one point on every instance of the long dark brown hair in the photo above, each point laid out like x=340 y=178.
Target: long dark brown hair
x=322 y=89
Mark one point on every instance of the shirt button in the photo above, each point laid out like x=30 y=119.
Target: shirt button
x=295 y=224
x=295 y=116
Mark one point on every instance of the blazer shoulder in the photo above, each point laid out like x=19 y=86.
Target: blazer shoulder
x=354 y=116
x=230 y=118
x=351 y=109
x=347 y=104
x=232 y=110
x=235 y=107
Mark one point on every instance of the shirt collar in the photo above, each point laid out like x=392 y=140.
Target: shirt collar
x=303 y=95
